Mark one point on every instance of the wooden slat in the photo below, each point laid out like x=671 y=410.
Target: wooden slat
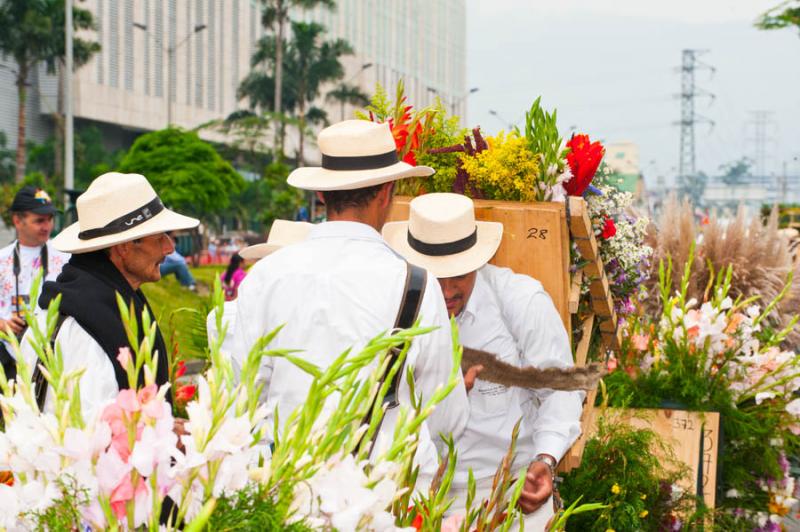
x=582 y=350
x=609 y=325
x=580 y=224
x=575 y=292
x=587 y=248
x=593 y=269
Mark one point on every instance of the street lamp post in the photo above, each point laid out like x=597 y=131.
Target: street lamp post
x=69 y=166
x=170 y=52
x=505 y=122
x=455 y=101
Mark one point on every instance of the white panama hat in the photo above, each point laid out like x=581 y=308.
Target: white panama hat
x=282 y=233
x=442 y=235
x=118 y=208
x=355 y=154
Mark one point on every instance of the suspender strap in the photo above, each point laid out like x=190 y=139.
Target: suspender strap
x=39 y=382
x=413 y=291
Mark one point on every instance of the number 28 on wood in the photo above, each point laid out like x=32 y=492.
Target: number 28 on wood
x=535 y=232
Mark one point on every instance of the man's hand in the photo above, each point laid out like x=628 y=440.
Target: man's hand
x=179 y=428
x=470 y=376
x=538 y=487
x=15 y=324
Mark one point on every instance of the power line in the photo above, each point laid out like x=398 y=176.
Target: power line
x=761 y=121
x=689 y=92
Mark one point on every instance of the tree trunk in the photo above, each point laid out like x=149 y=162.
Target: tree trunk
x=301 y=107
x=22 y=80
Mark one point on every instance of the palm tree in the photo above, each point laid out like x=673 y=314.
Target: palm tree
x=32 y=32
x=276 y=16
x=308 y=63
x=347 y=94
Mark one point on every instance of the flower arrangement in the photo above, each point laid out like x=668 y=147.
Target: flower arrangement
x=621 y=236
x=720 y=355
x=503 y=170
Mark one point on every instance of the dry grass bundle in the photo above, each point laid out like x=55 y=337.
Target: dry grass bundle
x=759 y=254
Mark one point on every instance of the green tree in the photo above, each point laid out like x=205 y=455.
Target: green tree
x=347 y=94
x=33 y=31
x=187 y=173
x=275 y=17
x=92 y=158
x=784 y=15
x=694 y=186
x=308 y=63
x=734 y=173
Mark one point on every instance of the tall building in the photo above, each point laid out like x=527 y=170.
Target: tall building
x=422 y=42
x=184 y=59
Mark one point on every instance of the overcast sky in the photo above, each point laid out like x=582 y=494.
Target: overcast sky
x=609 y=67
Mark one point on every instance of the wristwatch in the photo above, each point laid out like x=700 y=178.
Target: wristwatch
x=549 y=461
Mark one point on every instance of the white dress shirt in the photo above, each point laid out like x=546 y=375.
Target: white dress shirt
x=511 y=316
x=336 y=290
x=98 y=384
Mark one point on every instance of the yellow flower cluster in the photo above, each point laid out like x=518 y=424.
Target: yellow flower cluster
x=506 y=171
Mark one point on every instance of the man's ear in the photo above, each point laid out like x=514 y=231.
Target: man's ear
x=385 y=195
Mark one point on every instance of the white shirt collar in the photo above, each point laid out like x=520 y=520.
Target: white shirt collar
x=344 y=229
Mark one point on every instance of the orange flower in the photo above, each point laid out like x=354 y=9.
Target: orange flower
x=7 y=478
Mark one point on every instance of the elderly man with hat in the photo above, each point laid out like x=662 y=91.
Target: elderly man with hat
x=510 y=316
x=343 y=285
x=117 y=245
x=32 y=213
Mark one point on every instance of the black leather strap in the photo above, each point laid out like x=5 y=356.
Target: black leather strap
x=406 y=316
x=407 y=313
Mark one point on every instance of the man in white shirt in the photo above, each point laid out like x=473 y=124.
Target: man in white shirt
x=117 y=245
x=32 y=213
x=511 y=316
x=343 y=285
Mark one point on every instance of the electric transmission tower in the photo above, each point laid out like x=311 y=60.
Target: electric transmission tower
x=761 y=121
x=689 y=117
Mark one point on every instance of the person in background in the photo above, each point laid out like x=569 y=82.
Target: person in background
x=176 y=263
x=32 y=213
x=232 y=277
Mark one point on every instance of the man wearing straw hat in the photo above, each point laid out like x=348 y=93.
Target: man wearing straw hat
x=343 y=285
x=508 y=315
x=117 y=244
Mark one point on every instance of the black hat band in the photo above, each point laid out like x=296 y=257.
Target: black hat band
x=359 y=162
x=445 y=248
x=126 y=222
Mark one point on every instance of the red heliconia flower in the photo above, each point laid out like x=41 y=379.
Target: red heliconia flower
x=184 y=394
x=181 y=369
x=584 y=158
x=609 y=229
x=417 y=522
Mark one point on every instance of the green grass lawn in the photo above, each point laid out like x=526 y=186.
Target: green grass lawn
x=181 y=312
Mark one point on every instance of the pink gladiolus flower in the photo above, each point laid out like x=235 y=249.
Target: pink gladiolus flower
x=452 y=523
x=152 y=406
x=124 y=357
x=127 y=401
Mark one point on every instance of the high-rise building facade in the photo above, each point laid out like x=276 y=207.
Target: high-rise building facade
x=422 y=42
x=181 y=61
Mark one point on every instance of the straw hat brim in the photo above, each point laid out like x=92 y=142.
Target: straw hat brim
x=166 y=220
x=490 y=234
x=322 y=179
x=258 y=251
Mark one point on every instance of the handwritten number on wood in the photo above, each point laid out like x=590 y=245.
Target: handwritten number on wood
x=535 y=232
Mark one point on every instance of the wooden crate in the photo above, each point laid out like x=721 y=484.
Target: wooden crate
x=535 y=242
x=692 y=436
